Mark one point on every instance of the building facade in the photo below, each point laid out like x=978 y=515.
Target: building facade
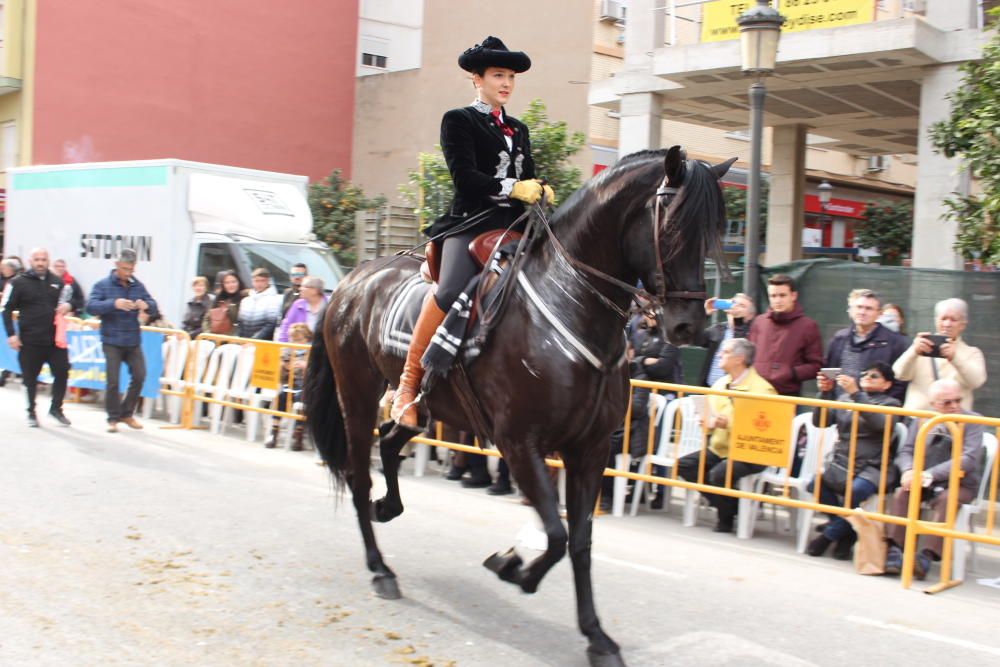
x=249 y=83
x=856 y=88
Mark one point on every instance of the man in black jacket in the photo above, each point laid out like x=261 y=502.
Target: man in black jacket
x=36 y=295
x=866 y=341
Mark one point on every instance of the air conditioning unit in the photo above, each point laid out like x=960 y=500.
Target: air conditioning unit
x=613 y=10
x=877 y=163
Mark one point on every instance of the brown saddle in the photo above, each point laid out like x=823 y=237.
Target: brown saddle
x=481 y=249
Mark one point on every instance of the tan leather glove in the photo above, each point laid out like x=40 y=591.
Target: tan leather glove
x=550 y=195
x=529 y=191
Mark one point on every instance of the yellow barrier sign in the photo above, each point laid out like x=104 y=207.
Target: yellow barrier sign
x=718 y=19
x=266 y=367
x=761 y=431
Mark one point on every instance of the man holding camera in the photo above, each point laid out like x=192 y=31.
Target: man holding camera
x=942 y=356
x=118 y=300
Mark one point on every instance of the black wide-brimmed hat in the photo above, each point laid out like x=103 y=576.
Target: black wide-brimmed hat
x=493 y=53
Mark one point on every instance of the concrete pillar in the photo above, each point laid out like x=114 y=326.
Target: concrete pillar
x=785 y=201
x=639 y=123
x=937 y=176
x=640 y=116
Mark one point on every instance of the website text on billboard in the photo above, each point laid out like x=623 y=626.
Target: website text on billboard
x=719 y=17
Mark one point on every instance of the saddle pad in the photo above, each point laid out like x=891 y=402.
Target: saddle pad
x=396 y=329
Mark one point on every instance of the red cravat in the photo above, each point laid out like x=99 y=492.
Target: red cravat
x=503 y=128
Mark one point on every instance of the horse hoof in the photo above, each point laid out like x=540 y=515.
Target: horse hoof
x=386 y=587
x=604 y=659
x=507 y=565
x=383 y=512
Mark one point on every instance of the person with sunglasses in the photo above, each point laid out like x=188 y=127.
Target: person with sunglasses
x=946 y=398
x=873 y=389
x=291 y=295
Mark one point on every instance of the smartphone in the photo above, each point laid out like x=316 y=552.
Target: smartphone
x=830 y=373
x=937 y=340
x=722 y=304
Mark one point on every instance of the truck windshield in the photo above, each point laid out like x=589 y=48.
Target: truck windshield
x=278 y=258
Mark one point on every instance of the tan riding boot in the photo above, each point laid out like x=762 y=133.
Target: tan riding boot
x=403 y=411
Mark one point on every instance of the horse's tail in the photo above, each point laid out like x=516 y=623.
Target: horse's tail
x=322 y=409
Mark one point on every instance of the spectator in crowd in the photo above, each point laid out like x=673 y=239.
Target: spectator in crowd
x=738 y=363
x=651 y=358
x=9 y=268
x=118 y=300
x=789 y=348
x=856 y=347
x=197 y=307
x=924 y=361
x=296 y=275
x=76 y=300
x=307 y=308
x=223 y=316
x=876 y=383
x=291 y=385
x=260 y=309
x=36 y=294
x=892 y=318
x=946 y=396
x=737 y=325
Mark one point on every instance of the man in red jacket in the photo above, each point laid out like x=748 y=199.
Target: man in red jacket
x=789 y=348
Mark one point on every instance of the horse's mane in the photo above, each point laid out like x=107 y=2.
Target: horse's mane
x=696 y=215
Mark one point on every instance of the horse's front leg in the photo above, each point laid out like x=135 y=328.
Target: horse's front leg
x=583 y=481
x=390 y=445
x=528 y=468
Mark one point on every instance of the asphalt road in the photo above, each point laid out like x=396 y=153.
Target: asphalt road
x=166 y=547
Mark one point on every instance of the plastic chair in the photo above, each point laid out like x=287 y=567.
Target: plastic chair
x=239 y=390
x=963 y=520
x=687 y=438
x=175 y=355
x=218 y=376
x=797 y=485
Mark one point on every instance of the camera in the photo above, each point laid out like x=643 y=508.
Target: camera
x=937 y=340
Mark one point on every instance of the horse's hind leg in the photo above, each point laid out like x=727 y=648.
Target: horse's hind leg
x=360 y=413
x=532 y=476
x=583 y=480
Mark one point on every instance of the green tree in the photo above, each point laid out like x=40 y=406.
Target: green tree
x=972 y=132
x=429 y=188
x=334 y=203
x=736 y=204
x=888 y=227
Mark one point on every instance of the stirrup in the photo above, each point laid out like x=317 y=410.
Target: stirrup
x=406 y=406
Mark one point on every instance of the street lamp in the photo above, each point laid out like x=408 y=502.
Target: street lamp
x=760 y=27
x=825 y=191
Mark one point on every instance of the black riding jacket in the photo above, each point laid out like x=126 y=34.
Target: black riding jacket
x=36 y=297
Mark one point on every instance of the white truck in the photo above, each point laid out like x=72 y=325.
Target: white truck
x=184 y=219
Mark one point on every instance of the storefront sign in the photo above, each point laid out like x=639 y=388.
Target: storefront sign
x=761 y=431
x=718 y=19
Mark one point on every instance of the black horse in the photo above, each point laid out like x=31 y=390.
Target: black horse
x=551 y=377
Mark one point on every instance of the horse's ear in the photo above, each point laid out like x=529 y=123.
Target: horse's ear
x=720 y=169
x=674 y=165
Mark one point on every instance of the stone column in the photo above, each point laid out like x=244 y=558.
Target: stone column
x=785 y=201
x=640 y=117
x=937 y=176
x=639 y=123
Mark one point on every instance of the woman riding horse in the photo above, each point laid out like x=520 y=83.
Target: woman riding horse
x=489 y=157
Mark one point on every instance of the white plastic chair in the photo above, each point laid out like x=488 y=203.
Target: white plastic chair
x=175 y=355
x=239 y=390
x=963 y=520
x=797 y=485
x=218 y=376
x=672 y=444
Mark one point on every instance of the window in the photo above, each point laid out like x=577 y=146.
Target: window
x=373 y=60
x=374 y=51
